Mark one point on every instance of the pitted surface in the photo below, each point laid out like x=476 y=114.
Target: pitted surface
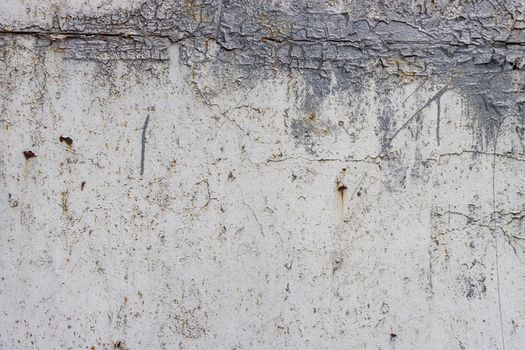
x=206 y=174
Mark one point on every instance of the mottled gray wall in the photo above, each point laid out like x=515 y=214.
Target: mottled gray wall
x=241 y=174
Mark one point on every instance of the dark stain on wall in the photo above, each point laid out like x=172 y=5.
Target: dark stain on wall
x=476 y=47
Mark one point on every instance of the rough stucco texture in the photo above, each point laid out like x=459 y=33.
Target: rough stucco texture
x=239 y=174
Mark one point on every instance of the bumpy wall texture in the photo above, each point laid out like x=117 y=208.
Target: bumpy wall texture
x=242 y=174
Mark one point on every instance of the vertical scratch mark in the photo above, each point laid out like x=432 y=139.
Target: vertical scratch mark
x=143 y=149
x=438 y=102
x=494 y=231
x=449 y=217
x=430 y=271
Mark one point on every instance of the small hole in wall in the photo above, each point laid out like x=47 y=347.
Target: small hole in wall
x=29 y=154
x=67 y=140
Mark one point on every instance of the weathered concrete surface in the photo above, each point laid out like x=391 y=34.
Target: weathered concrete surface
x=237 y=175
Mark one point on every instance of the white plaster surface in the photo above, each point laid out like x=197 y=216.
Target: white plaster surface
x=237 y=236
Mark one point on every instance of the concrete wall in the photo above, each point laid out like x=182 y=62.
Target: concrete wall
x=238 y=174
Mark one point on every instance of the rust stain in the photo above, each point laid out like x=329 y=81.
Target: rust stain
x=29 y=154
x=341 y=190
x=64 y=204
x=67 y=140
